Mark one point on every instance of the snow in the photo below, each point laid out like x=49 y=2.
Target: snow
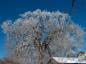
x=68 y=60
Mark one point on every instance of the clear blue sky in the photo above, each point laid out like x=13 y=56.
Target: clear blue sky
x=10 y=9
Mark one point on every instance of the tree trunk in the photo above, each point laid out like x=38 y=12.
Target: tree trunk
x=40 y=59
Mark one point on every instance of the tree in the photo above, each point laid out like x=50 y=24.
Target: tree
x=39 y=35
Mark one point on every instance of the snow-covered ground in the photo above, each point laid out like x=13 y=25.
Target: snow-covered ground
x=69 y=60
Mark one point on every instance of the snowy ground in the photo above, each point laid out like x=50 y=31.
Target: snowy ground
x=69 y=60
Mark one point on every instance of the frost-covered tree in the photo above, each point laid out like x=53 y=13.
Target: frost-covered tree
x=37 y=36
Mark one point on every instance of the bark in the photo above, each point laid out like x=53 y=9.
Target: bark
x=41 y=56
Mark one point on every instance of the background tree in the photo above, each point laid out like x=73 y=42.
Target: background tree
x=39 y=35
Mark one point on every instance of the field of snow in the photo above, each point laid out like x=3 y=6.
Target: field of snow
x=69 y=60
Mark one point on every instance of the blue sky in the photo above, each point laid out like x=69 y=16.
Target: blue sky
x=10 y=9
